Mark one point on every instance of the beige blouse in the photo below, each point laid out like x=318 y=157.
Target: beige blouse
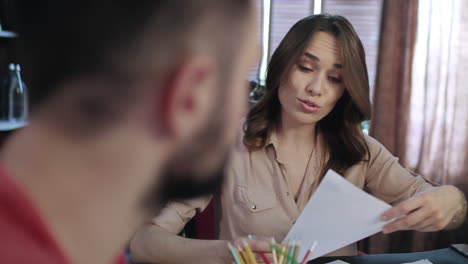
x=257 y=200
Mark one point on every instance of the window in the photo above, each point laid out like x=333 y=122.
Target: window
x=283 y=15
x=253 y=73
x=363 y=14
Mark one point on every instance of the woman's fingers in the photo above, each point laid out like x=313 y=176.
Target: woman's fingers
x=403 y=208
x=422 y=225
x=427 y=212
x=407 y=222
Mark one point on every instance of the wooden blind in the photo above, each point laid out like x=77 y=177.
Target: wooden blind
x=365 y=16
x=285 y=13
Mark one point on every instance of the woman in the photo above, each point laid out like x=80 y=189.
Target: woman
x=308 y=121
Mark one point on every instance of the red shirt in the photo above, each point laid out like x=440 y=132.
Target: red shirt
x=24 y=236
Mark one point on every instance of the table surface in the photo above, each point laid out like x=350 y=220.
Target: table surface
x=441 y=256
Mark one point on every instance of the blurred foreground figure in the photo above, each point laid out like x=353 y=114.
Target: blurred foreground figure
x=133 y=104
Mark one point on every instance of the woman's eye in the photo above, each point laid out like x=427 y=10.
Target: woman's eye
x=303 y=68
x=335 y=79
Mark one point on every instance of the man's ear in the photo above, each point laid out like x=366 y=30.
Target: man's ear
x=187 y=97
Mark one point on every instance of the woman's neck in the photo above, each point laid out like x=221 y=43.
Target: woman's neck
x=296 y=134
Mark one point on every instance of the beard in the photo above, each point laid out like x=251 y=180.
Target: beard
x=191 y=185
x=182 y=178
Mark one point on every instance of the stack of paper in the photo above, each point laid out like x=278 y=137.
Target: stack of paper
x=337 y=215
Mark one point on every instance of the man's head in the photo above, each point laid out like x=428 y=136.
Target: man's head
x=168 y=72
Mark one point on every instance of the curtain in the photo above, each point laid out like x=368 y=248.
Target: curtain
x=393 y=82
x=420 y=111
x=391 y=96
x=438 y=126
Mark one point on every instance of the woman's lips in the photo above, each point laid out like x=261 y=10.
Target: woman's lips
x=309 y=106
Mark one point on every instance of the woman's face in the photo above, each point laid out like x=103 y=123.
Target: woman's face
x=315 y=83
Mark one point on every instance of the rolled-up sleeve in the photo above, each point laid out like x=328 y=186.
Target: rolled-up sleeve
x=175 y=215
x=387 y=180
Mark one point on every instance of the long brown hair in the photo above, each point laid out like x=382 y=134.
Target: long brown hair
x=341 y=131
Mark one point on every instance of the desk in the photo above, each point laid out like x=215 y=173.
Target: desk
x=449 y=255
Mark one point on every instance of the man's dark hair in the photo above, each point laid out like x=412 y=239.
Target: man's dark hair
x=114 y=41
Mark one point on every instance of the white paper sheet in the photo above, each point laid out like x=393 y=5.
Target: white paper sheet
x=337 y=215
x=422 y=261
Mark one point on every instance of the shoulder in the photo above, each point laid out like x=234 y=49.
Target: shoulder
x=241 y=157
x=23 y=229
x=372 y=142
x=17 y=240
x=238 y=148
x=377 y=151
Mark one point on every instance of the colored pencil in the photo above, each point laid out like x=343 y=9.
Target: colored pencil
x=234 y=254
x=250 y=253
x=245 y=256
x=265 y=259
x=275 y=258
x=296 y=251
x=261 y=253
x=309 y=252
x=239 y=255
x=291 y=252
x=283 y=254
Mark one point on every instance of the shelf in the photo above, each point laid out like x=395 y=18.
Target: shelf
x=7 y=34
x=8 y=125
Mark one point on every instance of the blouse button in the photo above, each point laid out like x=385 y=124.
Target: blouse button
x=254 y=206
x=287 y=193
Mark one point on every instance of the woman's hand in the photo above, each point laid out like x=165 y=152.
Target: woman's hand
x=429 y=211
